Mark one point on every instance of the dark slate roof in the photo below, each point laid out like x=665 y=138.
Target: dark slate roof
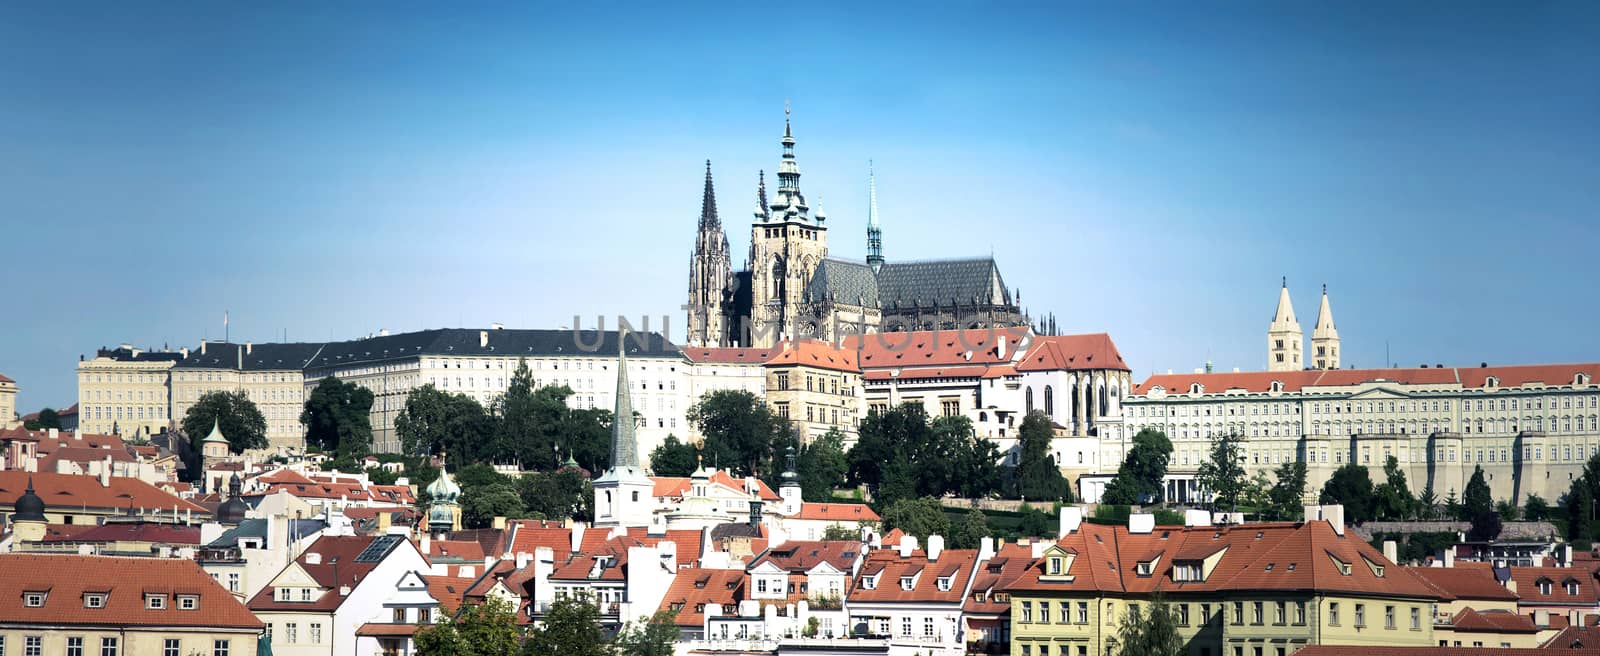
x=844 y=281
x=961 y=281
x=508 y=342
x=262 y=357
x=130 y=355
x=257 y=528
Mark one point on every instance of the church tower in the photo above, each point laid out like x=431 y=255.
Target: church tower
x=1284 y=338
x=623 y=496
x=1325 y=337
x=710 y=292
x=874 y=232
x=786 y=245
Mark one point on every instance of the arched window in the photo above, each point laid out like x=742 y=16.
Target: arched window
x=1027 y=400
x=1049 y=401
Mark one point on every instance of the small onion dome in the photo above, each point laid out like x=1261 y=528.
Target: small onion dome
x=29 y=507
x=443 y=489
x=232 y=511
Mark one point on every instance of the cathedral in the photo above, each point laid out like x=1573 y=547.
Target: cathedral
x=791 y=288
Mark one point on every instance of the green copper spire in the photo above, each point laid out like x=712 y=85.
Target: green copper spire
x=874 y=232
x=624 y=445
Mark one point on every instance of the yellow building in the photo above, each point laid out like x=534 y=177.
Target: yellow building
x=1246 y=590
x=817 y=387
x=271 y=375
x=70 y=604
x=125 y=391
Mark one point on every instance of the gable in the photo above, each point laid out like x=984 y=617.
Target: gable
x=294 y=576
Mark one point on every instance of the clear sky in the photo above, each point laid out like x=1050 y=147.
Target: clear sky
x=324 y=170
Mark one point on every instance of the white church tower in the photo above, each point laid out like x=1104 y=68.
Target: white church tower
x=1325 y=337
x=1284 y=337
x=623 y=495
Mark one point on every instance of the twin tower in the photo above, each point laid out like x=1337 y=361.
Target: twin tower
x=1285 y=339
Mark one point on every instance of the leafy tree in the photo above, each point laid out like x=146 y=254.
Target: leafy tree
x=974 y=469
x=673 y=458
x=1427 y=504
x=338 y=418
x=1139 y=477
x=1035 y=524
x=1476 y=499
x=920 y=517
x=487 y=629
x=969 y=534
x=48 y=418
x=1508 y=511
x=478 y=475
x=1288 y=491
x=1152 y=632
x=381 y=476
x=234 y=413
x=822 y=466
x=741 y=433
x=1537 y=509
x=433 y=421
x=571 y=628
x=1223 y=473
x=902 y=455
x=484 y=503
x=1580 y=509
x=840 y=532
x=1350 y=485
x=657 y=637
x=1485 y=526
x=1038 y=476
x=561 y=494
x=1392 y=498
x=1257 y=491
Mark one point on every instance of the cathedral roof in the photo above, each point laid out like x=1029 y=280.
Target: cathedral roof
x=844 y=281
x=942 y=282
x=1056 y=352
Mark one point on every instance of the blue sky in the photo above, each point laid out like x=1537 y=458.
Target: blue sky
x=324 y=170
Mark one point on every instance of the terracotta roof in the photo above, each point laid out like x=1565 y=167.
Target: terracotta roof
x=1528 y=578
x=729 y=355
x=133 y=532
x=693 y=588
x=854 y=512
x=449 y=590
x=527 y=535
x=47 y=444
x=799 y=556
x=448 y=549
x=378 y=630
x=6 y=379
x=1494 y=621
x=1473 y=583
x=889 y=567
x=1008 y=564
x=1575 y=637
x=82 y=455
x=69 y=491
x=1253 y=381
x=67 y=578
x=936 y=348
x=927 y=373
x=676 y=486
x=283 y=476
x=1518 y=375
x=337 y=566
x=815 y=353
x=1072 y=352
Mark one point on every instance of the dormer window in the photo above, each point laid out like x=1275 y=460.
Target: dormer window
x=1572 y=588
x=1145 y=568
x=1544 y=586
x=1491 y=382
x=94 y=600
x=191 y=602
x=1277 y=386
x=1055 y=566
x=1196 y=388
x=34 y=599
x=155 y=601
x=944 y=584
x=1344 y=567
x=870 y=582
x=1580 y=379
x=1187 y=571
x=906 y=582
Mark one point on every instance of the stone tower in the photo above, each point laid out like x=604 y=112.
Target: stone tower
x=1284 y=338
x=1325 y=337
x=874 y=232
x=786 y=245
x=710 y=281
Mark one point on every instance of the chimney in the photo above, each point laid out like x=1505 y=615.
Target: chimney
x=908 y=544
x=202 y=347
x=1450 y=557
x=344 y=590
x=313 y=558
x=1566 y=559
x=1141 y=523
x=1194 y=517
x=1391 y=551
x=76 y=434
x=105 y=473
x=986 y=548
x=249 y=348
x=577 y=538
x=55 y=434
x=427 y=545
x=523 y=558
x=1541 y=618
x=483 y=339
x=1071 y=519
x=499 y=524
x=935 y=547
x=184 y=353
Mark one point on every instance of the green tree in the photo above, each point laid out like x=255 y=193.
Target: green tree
x=839 y=532
x=487 y=629
x=48 y=418
x=1139 y=477
x=920 y=517
x=1392 y=498
x=1507 y=510
x=1352 y=486
x=1485 y=527
x=1148 y=631
x=822 y=466
x=656 y=637
x=673 y=458
x=975 y=469
x=1537 y=509
x=561 y=494
x=338 y=418
x=901 y=454
x=571 y=628
x=433 y=421
x=234 y=413
x=484 y=503
x=969 y=534
x=1035 y=524
x=1038 y=476
x=1476 y=499
x=1287 y=492
x=1222 y=474
x=1427 y=504
x=741 y=433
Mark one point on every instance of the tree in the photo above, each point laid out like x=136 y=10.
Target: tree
x=1392 y=498
x=674 y=458
x=1035 y=524
x=1508 y=511
x=1288 y=491
x=433 y=421
x=1257 y=491
x=902 y=455
x=656 y=637
x=1350 y=485
x=571 y=628
x=1485 y=527
x=1139 y=477
x=920 y=517
x=822 y=466
x=1537 y=509
x=1153 y=632
x=969 y=534
x=741 y=432
x=561 y=494
x=234 y=414
x=1038 y=476
x=486 y=502
x=48 y=418
x=1427 y=504
x=839 y=532
x=1476 y=499
x=487 y=629
x=1223 y=473
x=338 y=418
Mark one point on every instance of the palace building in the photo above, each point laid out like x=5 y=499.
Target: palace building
x=792 y=288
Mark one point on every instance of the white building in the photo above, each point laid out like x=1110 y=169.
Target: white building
x=316 y=604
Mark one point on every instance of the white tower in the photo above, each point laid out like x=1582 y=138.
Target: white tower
x=789 y=491
x=1325 y=337
x=1284 y=337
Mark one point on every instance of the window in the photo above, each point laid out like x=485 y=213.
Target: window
x=1066 y=613
x=220 y=648
x=155 y=601
x=1183 y=614
x=1044 y=612
x=316 y=633
x=94 y=600
x=1300 y=613
x=291 y=632
x=1572 y=588
x=75 y=646
x=1361 y=615
x=1416 y=619
x=33 y=646
x=108 y=647
x=1256 y=612
x=399 y=616
x=171 y=647
x=1238 y=613
x=1027 y=611
x=905 y=626
x=1388 y=617
x=305 y=594
x=1055 y=566
x=1083 y=612
x=927 y=626
x=33 y=599
x=1279 y=612
x=1333 y=614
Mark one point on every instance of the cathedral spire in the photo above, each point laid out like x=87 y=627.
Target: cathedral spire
x=624 y=445
x=1325 y=337
x=874 y=231
x=1284 y=338
x=708 y=204
x=761 y=194
x=790 y=203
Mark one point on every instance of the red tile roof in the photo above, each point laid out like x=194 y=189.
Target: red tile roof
x=676 y=487
x=133 y=532
x=855 y=512
x=815 y=353
x=1471 y=583
x=729 y=355
x=283 y=476
x=62 y=492
x=126 y=580
x=449 y=590
x=454 y=549
x=799 y=556
x=1072 y=352
x=889 y=567
x=381 y=630
x=1494 y=621
x=336 y=566
x=693 y=588
x=937 y=348
x=6 y=379
x=1009 y=563
x=1528 y=578
x=1575 y=637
